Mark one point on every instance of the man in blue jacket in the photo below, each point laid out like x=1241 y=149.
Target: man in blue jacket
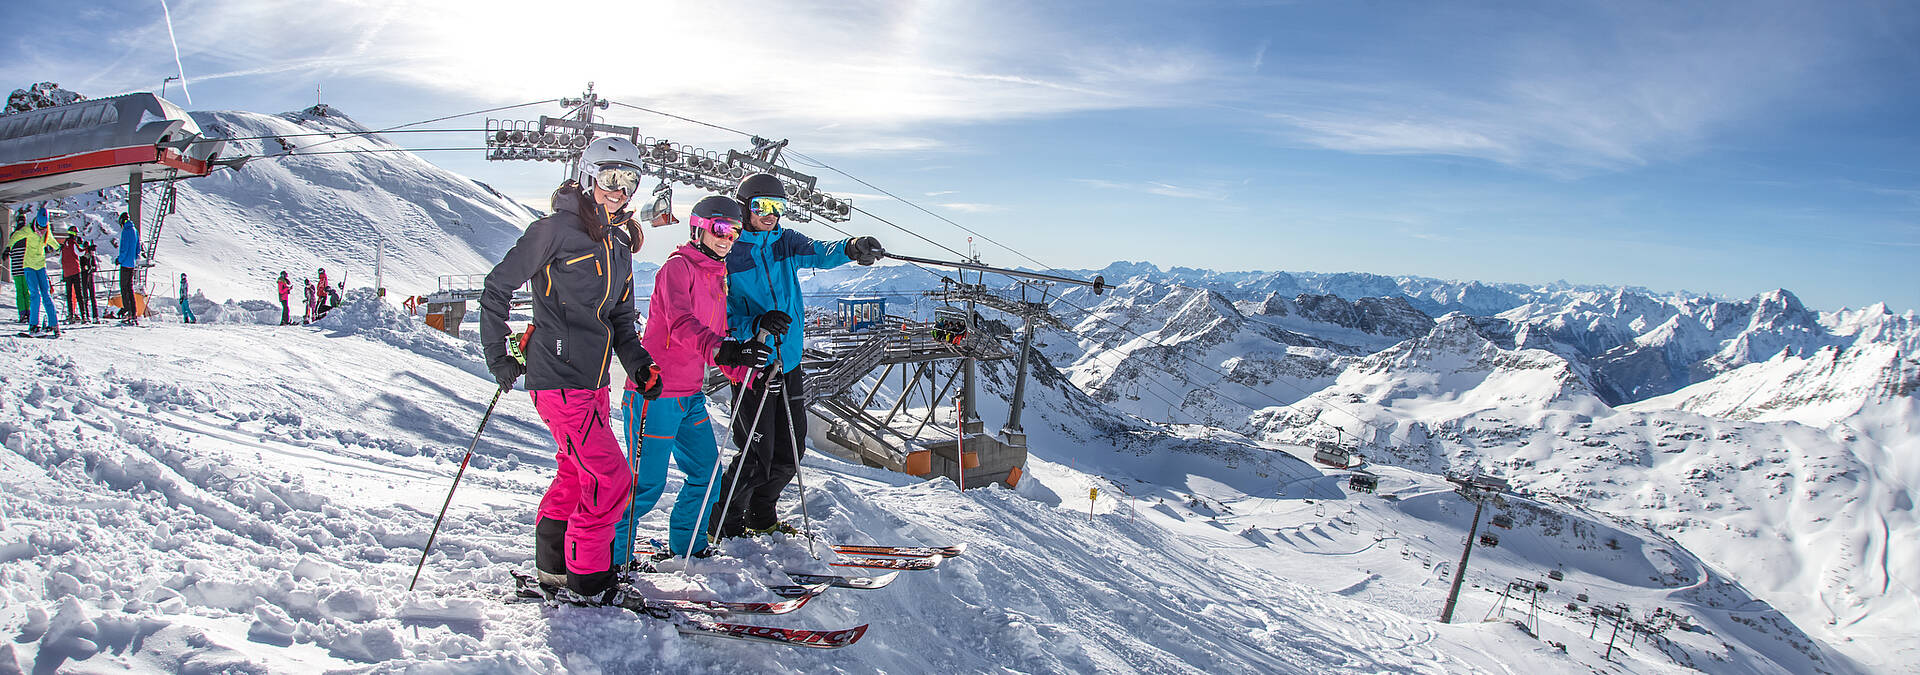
x=128 y=258
x=763 y=294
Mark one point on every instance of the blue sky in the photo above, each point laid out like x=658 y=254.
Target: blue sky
x=1720 y=147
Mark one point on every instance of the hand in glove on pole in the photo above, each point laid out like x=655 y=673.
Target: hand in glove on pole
x=512 y=363
x=752 y=354
x=649 y=382
x=865 y=250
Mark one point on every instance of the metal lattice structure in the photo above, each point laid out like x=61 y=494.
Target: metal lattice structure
x=555 y=139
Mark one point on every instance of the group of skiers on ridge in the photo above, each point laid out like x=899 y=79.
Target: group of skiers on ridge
x=727 y=297
x=321 y=297
x=27 y=245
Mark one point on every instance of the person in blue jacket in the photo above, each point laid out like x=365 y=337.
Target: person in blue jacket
x=763 y=294
x=128 y=258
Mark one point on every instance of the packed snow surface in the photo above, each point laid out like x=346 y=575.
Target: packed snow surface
x=251 y=498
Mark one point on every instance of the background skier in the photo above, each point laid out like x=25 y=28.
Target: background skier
x=89 y=265
x=186 y=310
x=16 y=264
x=34 y=242
x=128 y=257
x=285 y=287
x=70 y=246
x=686 y=331
x=764 y=294
x=581 y=265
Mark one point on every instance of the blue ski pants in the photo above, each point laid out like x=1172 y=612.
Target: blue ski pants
x=681 y=428
x=40 y=294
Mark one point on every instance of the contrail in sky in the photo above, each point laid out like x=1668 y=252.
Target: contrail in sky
x=176 y=51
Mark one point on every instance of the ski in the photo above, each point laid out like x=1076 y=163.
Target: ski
x=861 y=583
x=795 y=590
x=795 y=637
x=526 y=587
x=710 y=606
x=900 y=551
x=908 y=564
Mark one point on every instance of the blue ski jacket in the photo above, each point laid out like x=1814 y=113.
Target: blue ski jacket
x=763 y=275
x=129 y=246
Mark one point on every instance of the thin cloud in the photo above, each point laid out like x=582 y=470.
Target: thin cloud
x=1630 y=87
x=1208 y=193
x=966 y=207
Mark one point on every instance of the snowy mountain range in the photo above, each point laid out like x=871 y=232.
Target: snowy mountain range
x=253 y=498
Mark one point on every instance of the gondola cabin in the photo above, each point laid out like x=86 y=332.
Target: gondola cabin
x=859 y=314
x=1556 y=575
x=1363 y=482
x=1503 y=521
x=90 y=145
x=1332 y=455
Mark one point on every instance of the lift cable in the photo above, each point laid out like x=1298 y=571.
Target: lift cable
x=351 y=134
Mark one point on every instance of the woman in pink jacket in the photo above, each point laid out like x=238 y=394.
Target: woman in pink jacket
x=686 y=331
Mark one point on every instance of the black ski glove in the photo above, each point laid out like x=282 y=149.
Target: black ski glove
x=647 y=379
x=774 y=322
x=508 y=361
x=505 y=370
x=736 y=353
x=865 y=250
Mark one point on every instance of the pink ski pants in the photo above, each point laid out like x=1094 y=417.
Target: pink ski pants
x=593 y=485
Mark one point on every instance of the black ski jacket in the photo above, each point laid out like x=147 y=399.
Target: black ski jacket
x=582 y=273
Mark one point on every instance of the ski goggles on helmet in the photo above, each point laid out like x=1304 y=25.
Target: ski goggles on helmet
x=765 y=206
x=617 y=178
x=726 y=228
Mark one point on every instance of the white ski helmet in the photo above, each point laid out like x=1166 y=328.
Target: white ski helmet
x=602 y=152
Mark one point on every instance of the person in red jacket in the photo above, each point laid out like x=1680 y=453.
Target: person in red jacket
x=686 y=332
x=286 y=288
x=70 y=272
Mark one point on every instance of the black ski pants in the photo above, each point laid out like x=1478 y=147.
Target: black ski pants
x=75 y=309
x=126 y=292
x=89 y=301
x=765 y=464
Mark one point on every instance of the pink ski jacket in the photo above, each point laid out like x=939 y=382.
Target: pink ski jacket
x=686 y=319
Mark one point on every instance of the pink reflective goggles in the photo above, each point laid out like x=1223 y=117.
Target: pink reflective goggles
x=727 y=228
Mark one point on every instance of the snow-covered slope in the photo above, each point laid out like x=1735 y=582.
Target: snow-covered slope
x=172 y=508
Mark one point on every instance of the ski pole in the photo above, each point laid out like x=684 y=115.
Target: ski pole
x=793 y=436
x=456 y=486
x=733 y=488
x=740 y=399
x=1099 y=283
x=706 y=500
x=633 y=471
x=517 y=348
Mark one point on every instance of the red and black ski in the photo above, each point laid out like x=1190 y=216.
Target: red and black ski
x=691 y=624
x=900 y=551
x=906 y=564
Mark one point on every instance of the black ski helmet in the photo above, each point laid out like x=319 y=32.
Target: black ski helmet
x=718 y=207
x=760 y=185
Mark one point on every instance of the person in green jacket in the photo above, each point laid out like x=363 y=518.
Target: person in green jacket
x=16 y=270
x=36 y=241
